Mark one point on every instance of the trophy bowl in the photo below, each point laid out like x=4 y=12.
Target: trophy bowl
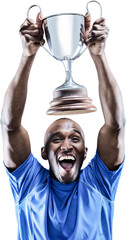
x=63 y=33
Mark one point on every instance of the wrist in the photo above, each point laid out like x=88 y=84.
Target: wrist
x=25 y=64
x=99 y=59
x=28 y=56
x=30 y=50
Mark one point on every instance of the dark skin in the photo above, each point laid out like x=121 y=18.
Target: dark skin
x=64 y=139
x=16 y=140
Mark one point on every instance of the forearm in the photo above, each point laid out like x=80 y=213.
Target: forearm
x=110 y=95
x=16 y=94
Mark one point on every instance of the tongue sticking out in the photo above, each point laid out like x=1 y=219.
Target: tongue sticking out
x=67 y=165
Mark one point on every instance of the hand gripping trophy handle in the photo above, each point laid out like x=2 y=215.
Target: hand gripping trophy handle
x=40 y=13
x=62 y=33
x=87 y=8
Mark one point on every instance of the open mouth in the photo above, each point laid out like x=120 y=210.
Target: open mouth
x=67 y=162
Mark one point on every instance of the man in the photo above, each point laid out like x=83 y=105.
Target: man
x=64 y=202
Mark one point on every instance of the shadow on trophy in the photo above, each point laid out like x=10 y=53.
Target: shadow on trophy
x=63 y=35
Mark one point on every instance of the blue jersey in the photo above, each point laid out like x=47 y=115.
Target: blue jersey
x=49 y=210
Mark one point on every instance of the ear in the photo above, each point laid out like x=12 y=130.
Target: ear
x=85 y=152
x=44 y=153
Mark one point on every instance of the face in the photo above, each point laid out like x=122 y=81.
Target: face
x=65 y=150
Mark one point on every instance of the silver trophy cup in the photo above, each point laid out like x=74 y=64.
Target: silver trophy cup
x=63 y=35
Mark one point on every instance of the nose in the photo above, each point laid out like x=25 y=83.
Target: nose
x=66 y=145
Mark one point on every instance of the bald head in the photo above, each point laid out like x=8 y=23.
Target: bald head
x=60 y=124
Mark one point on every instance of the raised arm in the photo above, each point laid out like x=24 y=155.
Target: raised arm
x=16 y=143
x=111 y=135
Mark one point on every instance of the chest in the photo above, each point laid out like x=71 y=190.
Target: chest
x=55 y=214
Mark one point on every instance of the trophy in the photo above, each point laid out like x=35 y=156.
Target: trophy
x=63 y=36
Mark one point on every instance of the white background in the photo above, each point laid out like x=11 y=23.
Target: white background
x=46 y=75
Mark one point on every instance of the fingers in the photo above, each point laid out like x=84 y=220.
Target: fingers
x=39 y=20
x=29 y=38
x=82 y=36
x=30 y=23
x=87 y=24
x=31 y=31
x=99 y=39
x=87 y=21
x=99 y=32
x=25 y=25
x=29 y=28
x=100 y=21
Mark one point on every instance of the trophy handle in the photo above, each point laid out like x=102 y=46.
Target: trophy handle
x=97 y=3
x=83 y=50
x=35 y=5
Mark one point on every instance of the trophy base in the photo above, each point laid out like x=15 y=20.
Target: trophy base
x=71 y=101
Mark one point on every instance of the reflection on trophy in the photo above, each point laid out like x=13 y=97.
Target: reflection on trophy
x=63 y=35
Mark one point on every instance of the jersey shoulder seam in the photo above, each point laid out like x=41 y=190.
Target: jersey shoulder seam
x=30 y=193
x=87 y=184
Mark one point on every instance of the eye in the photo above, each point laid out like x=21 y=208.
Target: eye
x=56 y=140
x=75 y=139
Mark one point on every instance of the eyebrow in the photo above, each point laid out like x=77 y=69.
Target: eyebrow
x=59 y=133
x=55 y=134
x=77 y=131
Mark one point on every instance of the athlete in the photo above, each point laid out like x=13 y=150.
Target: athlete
x=64 y=202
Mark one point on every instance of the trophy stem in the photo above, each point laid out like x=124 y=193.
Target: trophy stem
x=70 y=98
x=69 y=82
x=68 y=69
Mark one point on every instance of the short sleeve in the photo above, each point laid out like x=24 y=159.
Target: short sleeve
x=26 y=177
x=98 y=176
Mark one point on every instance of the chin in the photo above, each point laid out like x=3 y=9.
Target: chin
x=68 y=179
x=64 y=176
